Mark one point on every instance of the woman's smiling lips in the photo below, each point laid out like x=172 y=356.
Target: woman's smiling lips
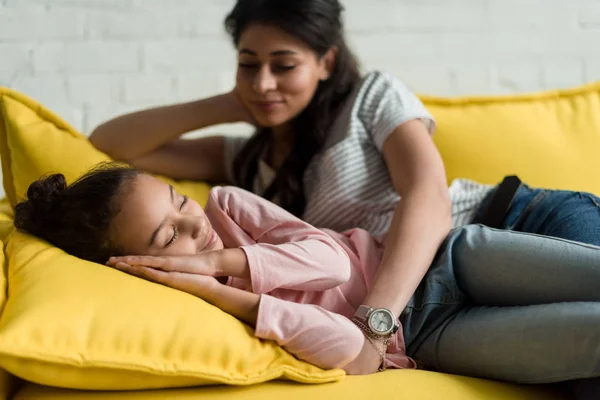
x=268 y=106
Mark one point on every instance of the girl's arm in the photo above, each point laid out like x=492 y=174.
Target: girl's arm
x=281 y=251
x=309 y=332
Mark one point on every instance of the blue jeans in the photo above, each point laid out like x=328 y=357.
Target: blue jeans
x=515 y=306
x=559 y=213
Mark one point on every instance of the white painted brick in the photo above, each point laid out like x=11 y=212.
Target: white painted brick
x=508 y=15
x=24 y=25
x=421 y=77
x=563 y=74
x=422 y=15
x=91 y=4
x=138 y=24
x=140 y=89
x=226 y=81
x=30 y=5
x=93 y=89
x=559 y=43
x=188 y=55
x=464 y=45
x=589 y=13
x=592 y=70
x=14 y=59
x=88 y=57
x=517 y=45
x=200 y=85
x=393 y=46
x=74 y=115
x=210 y=20
x=189 y=4
x=470 y=78
x=49 y=91
x=516 y=77
x=47 y=88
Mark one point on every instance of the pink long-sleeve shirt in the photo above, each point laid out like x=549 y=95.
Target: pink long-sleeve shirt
x=311 y=281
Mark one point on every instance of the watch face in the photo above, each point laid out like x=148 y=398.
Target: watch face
x=381 y=321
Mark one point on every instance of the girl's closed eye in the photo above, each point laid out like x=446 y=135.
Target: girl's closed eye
x=183 y=202
x=173 y=237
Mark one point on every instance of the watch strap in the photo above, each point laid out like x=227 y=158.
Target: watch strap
x=362 y=312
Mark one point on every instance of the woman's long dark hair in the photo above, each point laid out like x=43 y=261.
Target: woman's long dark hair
x=317 y=23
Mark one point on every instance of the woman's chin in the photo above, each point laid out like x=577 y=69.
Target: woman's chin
x=270 y=121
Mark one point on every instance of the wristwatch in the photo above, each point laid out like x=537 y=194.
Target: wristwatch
x=381 y=321
x=378 y=325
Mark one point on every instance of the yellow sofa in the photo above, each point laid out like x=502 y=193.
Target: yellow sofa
x=549 y=139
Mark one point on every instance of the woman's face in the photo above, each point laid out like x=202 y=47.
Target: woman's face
x=156 y=220
x=277 y=74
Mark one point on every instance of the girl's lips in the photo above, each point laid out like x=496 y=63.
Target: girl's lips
x=212 y=238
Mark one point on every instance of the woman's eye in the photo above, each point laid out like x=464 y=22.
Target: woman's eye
x=247 y=66
x=284 y=68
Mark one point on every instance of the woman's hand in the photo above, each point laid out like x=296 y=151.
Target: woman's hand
x=238 y=112
x=367 y=361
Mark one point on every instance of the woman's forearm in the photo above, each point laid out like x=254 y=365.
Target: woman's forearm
x=133 y=135
x=421 y=222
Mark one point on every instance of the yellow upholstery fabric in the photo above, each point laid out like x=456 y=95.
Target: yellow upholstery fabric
x=72 y=323
x=34 y=142
x=409 y=385
x=6 y=226
x=7 y=382
x=550 y=139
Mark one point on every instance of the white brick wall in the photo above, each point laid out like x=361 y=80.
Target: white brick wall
x=92 y=59
x=96 y=58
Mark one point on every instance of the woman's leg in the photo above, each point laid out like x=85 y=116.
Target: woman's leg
x=563 y=214
x=502 y=268
x=529 y=339
x=528 y=344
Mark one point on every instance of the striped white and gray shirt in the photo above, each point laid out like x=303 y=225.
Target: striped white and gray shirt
x=347 y=185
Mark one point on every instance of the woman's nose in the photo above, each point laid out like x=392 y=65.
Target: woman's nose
x=264 y=81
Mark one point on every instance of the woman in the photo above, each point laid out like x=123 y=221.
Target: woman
x=532 y=319
x=336 y=149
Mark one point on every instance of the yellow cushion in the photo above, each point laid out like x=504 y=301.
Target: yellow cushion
x=34 y=141
x=6 y=226
x=7 y=381
x=549 y=139
x=409 y=384
x=76 y=324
